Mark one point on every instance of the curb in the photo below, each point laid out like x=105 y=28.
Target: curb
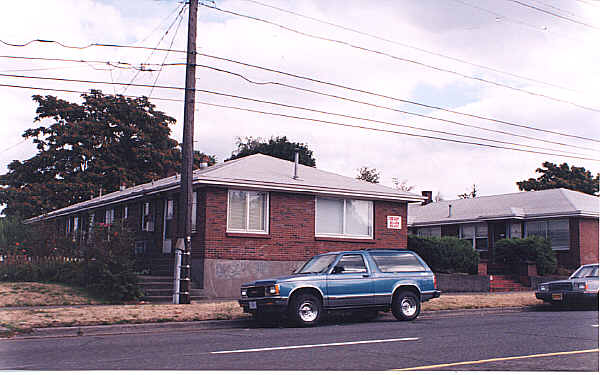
x=120 y=329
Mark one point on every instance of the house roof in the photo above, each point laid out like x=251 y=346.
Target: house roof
x=253 y=172
x=523 y=205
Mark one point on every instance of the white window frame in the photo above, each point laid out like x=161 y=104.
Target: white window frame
x=195 y=210
x=344 y=234
x=266 y=212
x=125 y=212
x=109 y=216
x=475 y=234
x=547 y=232
x=146 y=227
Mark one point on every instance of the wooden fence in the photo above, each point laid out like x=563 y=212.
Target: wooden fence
x=14 y=259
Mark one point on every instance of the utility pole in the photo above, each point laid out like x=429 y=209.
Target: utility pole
x=184 y=215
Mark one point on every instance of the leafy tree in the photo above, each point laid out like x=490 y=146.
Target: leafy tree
x=13 y=234
x=470 y=194
x=369 y=175
x=99 y=145
x=279 y=147
x=402 y=185
x=515 y=251
x=562 y=176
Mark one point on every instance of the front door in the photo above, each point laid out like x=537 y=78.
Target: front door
x=349 y=283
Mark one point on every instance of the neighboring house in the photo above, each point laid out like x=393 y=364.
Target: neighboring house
x=569 y=219
x=251 y=219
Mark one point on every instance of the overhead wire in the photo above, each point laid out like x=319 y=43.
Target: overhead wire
x=411 y=61
x=298 y=76
x=406 y=45
x=521 y=3
x=296 y=107
x=387 y=108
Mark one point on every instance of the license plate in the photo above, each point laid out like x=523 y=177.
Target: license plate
x=252 y=305
x=557 y=296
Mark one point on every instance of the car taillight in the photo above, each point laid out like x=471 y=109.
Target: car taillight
x=434 y=282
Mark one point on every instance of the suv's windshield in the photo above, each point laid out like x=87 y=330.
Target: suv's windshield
x=587 y=271
x=317 y=264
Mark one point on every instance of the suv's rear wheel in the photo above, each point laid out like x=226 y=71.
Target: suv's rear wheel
x=305 y=310
x=406 y=305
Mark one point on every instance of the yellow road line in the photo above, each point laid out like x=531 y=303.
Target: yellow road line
x=496 y=360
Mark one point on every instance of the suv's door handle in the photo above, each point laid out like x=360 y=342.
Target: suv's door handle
x=366 y=275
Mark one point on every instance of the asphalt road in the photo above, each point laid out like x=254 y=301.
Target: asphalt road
x=517 y=341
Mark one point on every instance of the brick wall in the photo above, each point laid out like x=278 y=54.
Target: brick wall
x=588 y=241
x=291 y=230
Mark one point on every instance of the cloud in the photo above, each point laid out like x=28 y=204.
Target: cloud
x=559 y=55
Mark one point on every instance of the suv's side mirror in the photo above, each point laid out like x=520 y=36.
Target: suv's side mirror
x=338 y=269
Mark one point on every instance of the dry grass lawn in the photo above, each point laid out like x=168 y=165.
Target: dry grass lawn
x=40 y=294
x=24 y=319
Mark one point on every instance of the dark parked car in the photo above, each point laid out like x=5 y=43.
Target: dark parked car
x=581 y=287
x=370 y=280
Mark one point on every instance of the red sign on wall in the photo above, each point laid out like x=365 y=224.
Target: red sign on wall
x=394 y=222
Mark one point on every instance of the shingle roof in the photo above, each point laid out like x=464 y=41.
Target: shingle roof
x=254 y=172
x=523 y=205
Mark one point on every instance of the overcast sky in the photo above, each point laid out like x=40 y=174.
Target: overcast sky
x=559 y=57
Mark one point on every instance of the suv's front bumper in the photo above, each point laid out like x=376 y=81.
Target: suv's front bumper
x=264 y=304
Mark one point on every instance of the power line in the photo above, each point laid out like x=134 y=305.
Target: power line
x=13 y=146
x=158 y=44
x=387 y=130
x=323 y=112
x=112 y=64
x=170 y=46
x=394 y=98
x=332 y=84
x=412 y=61
x=462 y=61
x=387 y=108
x=553 y=14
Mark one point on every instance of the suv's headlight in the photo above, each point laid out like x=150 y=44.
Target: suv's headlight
x=544 y=288
x=580 y=286
x=272 y=290
x=244 y=293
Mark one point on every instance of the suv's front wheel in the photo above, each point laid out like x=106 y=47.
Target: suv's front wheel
x=305 y=310
x=406 y=305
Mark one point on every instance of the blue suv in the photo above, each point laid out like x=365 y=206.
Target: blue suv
x=372 y=280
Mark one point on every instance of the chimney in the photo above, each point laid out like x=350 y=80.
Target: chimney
x=427 y=194
x=449 y=210
x=296 y=157
x=204 y=162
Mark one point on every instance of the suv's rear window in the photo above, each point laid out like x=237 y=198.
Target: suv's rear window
x=397 y=262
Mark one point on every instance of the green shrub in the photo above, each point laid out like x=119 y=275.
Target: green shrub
x=515 y=251
x=104 y=264
x=445 y=254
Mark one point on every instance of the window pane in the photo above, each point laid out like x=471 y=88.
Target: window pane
x=481 y=243
x=352 y=264
x=330 y=214
x=359 y=217
x=258 y=203
x=535 y=228
x=397 y=262
x=558 y=231
x=482 y=230
x=515 y=230
x=237 y=210
x=467 y=231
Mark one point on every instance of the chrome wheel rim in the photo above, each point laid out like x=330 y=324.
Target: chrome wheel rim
x=409 y=306
x=308 y=312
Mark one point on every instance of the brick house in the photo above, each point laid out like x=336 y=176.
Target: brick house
x=569 y=219
x=251 y=219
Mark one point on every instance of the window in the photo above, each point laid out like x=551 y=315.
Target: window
x=68 y=225
x=75 y=223
x=435 y=231
x=169 y=209
x=399 y=262
x=194 y=209
x=247 y=211
x=514 y=230
x=556 y=231
x=344 y=218
x=147 y=217
x=351 y=264
x=477 y=233
x=125 y=212
x=110 y=216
